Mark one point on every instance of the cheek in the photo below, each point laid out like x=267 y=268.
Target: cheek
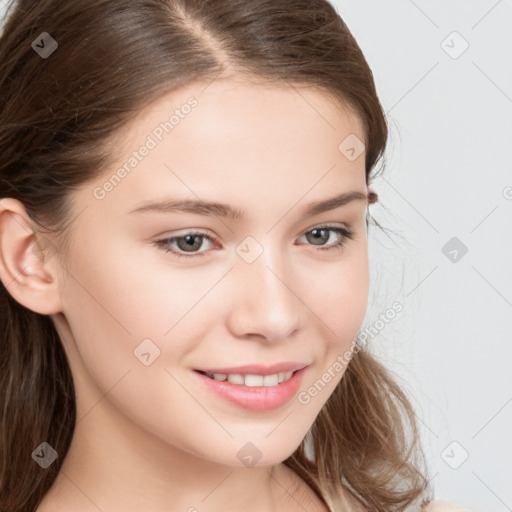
x=339 y=301
x=112 y=306
x=123 y=305
x=129 y=289
x=338 y=295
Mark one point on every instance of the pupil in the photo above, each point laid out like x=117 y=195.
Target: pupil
x=318 y=231
x=189 y=241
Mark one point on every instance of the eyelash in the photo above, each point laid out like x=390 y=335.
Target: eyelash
x=337 y=246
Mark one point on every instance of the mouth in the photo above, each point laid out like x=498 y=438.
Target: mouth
x=255 y=392
x=251 y=380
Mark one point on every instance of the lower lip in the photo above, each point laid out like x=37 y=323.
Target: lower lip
x=255 y=398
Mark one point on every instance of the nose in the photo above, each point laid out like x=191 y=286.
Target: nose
x=266 y=305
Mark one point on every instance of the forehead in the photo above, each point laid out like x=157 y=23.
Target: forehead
x=236 y=138
x=238 y=112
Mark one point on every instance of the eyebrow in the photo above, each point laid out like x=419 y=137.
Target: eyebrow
x=236 y=214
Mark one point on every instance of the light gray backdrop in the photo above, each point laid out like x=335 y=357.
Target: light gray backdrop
x=443 y=71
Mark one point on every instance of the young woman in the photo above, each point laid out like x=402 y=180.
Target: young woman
x=184 y=263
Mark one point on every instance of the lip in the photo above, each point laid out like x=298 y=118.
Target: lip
x=258 y=369
x=255 y=398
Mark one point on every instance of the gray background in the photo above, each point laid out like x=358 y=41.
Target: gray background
x=446 y=188
x=448 y=174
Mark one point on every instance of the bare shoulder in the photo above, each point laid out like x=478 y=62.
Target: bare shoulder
x=442 y=506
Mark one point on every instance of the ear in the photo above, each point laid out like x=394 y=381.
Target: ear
x=28 y=260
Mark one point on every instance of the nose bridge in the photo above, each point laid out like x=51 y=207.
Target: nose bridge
x=266 y=288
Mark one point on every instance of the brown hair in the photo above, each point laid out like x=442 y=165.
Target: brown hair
x=58 y=117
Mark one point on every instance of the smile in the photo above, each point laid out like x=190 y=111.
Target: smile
x=252 y=391
x=252 y=380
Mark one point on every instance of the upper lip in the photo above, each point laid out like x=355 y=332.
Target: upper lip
x=257 y=369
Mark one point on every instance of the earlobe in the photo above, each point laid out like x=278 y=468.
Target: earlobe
x=26 y=274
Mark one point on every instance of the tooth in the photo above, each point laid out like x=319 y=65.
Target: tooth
x=254 y=380
x=235 y=378
x=271 y=380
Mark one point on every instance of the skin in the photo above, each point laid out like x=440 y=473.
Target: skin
x=152 y=437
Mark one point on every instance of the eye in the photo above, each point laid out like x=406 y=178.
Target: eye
x=189 y=240
x=322 y=232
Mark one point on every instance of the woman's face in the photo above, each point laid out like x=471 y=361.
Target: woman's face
x=138 y=320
